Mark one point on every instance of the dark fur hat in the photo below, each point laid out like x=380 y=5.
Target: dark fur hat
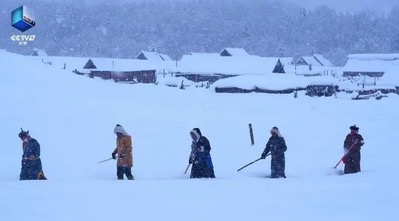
x=23 y=133
x=354 y=127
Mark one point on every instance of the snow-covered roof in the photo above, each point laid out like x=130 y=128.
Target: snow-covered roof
x=322 y=60
x=387 y=63
x=286 y=60
x=310 y=60
x=390 y=78
x=204 y=54
x=374 y=56
x=165 y=57
x=226 y=65
x=39 y=52
x=68 y=63
x=111 y=64
x=357 y=65
x=315 y=60
x=234 y=52
x=153 y=56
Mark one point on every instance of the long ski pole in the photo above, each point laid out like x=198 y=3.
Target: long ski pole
x=335 y=167
x=192 y=156
x=102 y=161
x=187 y=168
x=251 y=162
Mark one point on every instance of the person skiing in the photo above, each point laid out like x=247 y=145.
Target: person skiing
x=352 y=145
x=277 y=147
x=31 y=164
x=200 y=157
x=123 y=153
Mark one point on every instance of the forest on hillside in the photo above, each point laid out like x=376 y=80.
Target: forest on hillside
x=266 y=28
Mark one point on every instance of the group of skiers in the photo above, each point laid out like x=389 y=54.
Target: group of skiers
x=200 y=157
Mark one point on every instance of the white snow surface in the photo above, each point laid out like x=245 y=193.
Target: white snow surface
x=274 y=81
x=73 y=118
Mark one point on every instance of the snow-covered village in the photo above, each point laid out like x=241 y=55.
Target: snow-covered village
x=217 y=129
x=233 y=70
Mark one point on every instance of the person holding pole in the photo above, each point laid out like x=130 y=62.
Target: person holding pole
x=277 y=147
x=352 y=146
x=123 y=153
x=200 y=157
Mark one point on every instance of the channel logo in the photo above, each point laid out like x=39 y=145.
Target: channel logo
x=23 y=18
x=23 y=39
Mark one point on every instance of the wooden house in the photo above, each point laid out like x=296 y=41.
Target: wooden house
x=371 y=65
x=314 y=60
x=211 y=67
x=374 y=72
x=120 y=70
x=315 y=65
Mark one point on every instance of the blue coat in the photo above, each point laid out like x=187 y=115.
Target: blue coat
x=201 y=159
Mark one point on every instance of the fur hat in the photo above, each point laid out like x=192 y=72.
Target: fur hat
x=119 y=129
x=196 y=132
x=23 y=133
x=276 y=131
x=354 y=127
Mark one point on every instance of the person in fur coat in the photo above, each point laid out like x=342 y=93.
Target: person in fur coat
x=277 y=147
x=200 y=157
x=352 y=145
x=123 y=153
x=31 y=164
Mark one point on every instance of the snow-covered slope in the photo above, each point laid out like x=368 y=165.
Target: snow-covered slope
x=73 y=118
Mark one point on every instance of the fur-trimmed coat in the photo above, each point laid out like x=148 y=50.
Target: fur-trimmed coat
x=353 y=139
x=352 y=158
x=124 y=149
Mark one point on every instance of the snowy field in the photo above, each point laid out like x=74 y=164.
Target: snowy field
x=73 y=118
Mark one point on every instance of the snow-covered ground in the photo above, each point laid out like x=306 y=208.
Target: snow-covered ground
x=73 y=119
